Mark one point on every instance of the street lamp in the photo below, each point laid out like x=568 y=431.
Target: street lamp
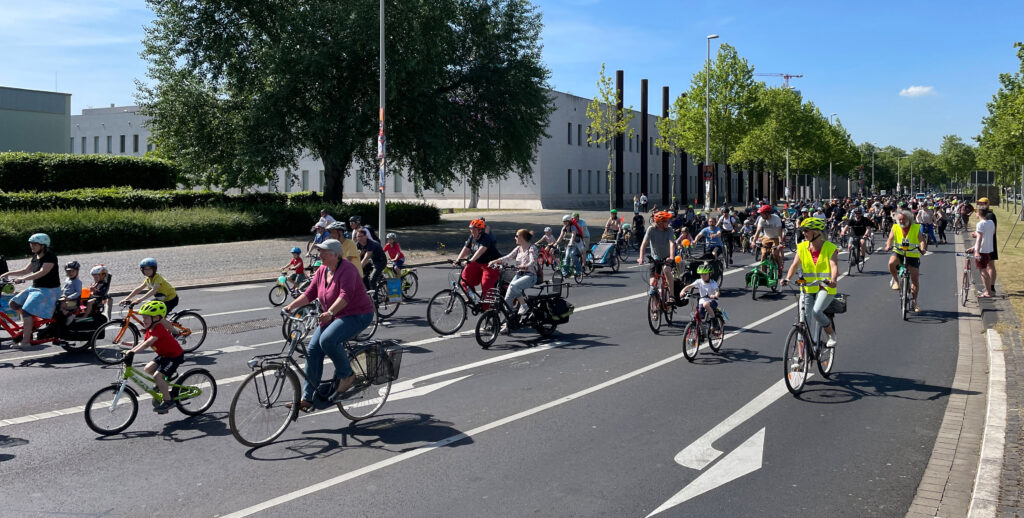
x=830 y=160
x=873 y=146
x=707 y=126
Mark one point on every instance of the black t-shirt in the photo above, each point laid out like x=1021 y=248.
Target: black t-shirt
x=51 y=279
x=859 y=228
x=488 y=241
x=377 y=256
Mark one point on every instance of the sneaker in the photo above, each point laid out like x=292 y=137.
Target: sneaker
x=831 y=341
x=162 y=408
x=894 y=286
x=343 y=386
x=523 y=309
x=917 y=309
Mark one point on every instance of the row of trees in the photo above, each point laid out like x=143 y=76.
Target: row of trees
x=1001 y=142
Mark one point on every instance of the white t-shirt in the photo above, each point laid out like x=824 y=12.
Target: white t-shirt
x=772 y=227
x=726 y=223
x=987 y=230
x=705 y=288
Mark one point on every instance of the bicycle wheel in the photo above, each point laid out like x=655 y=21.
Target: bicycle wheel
x=368 y=332
x=795 y=361
x=278 y=294
x=870 y=244
x=410 y=285
x=106 y=418
x=365 y=398
x=193 y=332
x=446 y=312
x=577 y=276
x=691 y=341
x=588 y=265
x=654 y=312
x=860 y=262
x=309 y=315
x=385 y=308
x=258 y=414
x=716 y=333
x=753 y=287
x=309 y=244
x=851 y=256
x=194 y=392
x=111 y=340
x=826 y=355
x=615 y=263
x=964 y=286
x=488 y=327
x=904 y=296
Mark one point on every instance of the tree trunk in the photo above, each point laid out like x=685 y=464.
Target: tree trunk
x=335 y=169
x=728 y=184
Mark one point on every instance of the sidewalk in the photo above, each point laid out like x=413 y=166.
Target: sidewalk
x=248 y=261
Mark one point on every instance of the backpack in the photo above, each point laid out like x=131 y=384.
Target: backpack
x=538 y=266
x=559 y=309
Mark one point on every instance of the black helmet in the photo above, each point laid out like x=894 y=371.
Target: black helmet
x=355 y=219
x=73 y=265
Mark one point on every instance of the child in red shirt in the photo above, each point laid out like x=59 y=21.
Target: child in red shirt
x=168 y=350
x=393 y=251
x=299 y=270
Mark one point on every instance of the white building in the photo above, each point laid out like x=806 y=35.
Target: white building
x=118 y=130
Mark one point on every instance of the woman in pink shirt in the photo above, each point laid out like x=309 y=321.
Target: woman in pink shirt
x=347 y=310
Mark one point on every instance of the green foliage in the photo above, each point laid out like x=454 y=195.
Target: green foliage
x=241 y=87
x=61 y=171
x=1001 y=142
x=956 y=159
x=607 y=122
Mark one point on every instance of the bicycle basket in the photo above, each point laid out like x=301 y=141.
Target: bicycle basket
x=388 y=370
x=507 y=274
x=838 y=304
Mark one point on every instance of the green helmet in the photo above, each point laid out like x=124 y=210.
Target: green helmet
x=704 y=268
x=813 y=223
x=154 y=308
x=576 y=215
x=614 y=212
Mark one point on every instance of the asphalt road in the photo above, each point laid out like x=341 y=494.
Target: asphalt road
x=603 y=419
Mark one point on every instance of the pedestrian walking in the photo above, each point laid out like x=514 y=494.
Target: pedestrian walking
x=643 y=202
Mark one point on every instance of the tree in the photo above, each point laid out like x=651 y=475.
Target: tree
x=776 y=122
x=606 y=123
x=956 y=159
x=1001 y=142
x=242 y=87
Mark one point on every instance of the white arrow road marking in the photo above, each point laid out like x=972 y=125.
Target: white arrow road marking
x=405 y=389
x=746 y=458
x=222 y=289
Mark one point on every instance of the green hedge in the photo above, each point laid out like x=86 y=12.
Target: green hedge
x=91 y=229
x=61 y=171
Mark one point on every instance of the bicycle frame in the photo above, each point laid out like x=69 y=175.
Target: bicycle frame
x=14 y=329
x=133 y=318
x=129 y=373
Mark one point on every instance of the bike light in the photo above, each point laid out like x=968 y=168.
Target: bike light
x=252 y=363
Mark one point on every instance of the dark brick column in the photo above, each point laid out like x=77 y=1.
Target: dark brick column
x=619 y=141
x=644 y=173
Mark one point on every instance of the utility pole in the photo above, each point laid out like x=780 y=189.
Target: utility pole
x=381 y=148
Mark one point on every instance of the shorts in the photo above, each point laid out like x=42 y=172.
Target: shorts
x=171 y=304
x=766 y=240
x=911 y=262
x=296 y=277
x=982 y=262
x=167 y=366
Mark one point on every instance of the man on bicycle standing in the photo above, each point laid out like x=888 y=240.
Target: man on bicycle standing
x=910 y=255
x=712 y=236
x=479 y=250
x=858 y=230
x=770 y=227
x=663 y=248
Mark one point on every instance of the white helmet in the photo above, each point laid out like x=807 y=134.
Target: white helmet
x=567 y=218
x=547 y=229
x=98 y=269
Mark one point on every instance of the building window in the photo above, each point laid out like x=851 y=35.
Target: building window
x=359 y=183
x=590 y=180
x=149 y=146
x=579 y=181
x=110 y=144
x=321 y=180
x=588 y=136
x=71 y=146
x=568 y=179
x=398 y=183
x=570 y=134
x=579 y=134
x=305 y=180
x=122 y=144
x=135 y=143
x=287 y=181
x=631 y=145
x=96 y=145
x=83 y=145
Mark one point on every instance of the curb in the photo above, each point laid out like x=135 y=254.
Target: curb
x=985 y=498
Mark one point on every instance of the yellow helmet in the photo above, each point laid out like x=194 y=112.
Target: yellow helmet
x=813 y=224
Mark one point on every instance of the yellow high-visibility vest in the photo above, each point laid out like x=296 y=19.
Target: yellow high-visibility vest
x=914 y=249
x=820 y=271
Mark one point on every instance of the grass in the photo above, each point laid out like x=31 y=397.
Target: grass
x=1010 y=267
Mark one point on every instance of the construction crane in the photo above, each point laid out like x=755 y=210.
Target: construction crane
x=785 y=77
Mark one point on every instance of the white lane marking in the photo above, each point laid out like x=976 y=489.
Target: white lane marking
x=746 y=458
x=235 y=312
x=320 y=486
x=405 y=389
x=221 y=289
x=985 y=497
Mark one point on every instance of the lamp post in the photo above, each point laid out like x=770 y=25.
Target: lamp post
x=381 y=211
x=830 y=160
x=899 y=188
x=707 y=126
x=873 y=146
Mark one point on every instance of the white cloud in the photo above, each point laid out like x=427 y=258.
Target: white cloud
x=917 y=91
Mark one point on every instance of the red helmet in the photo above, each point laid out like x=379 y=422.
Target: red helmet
x=477 y=223
x=765 y=209
x=662 y=216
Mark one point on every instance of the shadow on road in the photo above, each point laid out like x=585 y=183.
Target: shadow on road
x=846 y=387
x=7 y=441
x=213 y=424
x=727 y=355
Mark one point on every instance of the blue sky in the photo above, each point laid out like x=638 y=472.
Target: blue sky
x=856 y=56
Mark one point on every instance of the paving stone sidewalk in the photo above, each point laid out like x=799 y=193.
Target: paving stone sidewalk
x=1011 y=487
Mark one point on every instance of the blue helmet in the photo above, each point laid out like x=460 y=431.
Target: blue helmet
x=296 y=250
x=40 y=239
x=149 y=261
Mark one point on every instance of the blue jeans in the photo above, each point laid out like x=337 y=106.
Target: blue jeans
x=329 y=341
x=518 y=286
x=929 y=230
x=815 y=305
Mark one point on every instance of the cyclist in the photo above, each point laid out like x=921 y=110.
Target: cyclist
x=859 y=229
x=712 y=236
x=479 y=250
x=157 y=287
x=372 y=259
x=925 y=219
x=904 y=230
x=324 y=221
x=41 y=299
x=612 y=227
x=169 y=353
x=355 y=223
x=99 y=289
x=727 y=222
x=659 y=236
x=548 y=239
x=347 y=310
x=638 y=227
x=572 y=236
x=769 y=228
x=707 y=288
x=524 y=255
x=349 y=250
x=816 y=257
x=296 y=267
x=584 y=228
x=394 y=251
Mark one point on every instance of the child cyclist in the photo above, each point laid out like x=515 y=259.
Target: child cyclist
x=169 y=354
x=707 y=288
x=297 y=268
x=394 y=251
x=157 y=287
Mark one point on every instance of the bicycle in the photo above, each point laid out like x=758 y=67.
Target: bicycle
x=267 y=400
x=382 y=303
x=567 y=267
x=801 y=349
x=68 y=341
x=658 y=296
x=699 y=329
x=310 y=315
x=541 y=313
x=410 y=281
x=446 y=310
x=966 y=279
x=764 y=273
x=855 y=259
x=281 y=291
x=188 y=328
x=106 y=413
x=903 y=276
x=546 y=258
